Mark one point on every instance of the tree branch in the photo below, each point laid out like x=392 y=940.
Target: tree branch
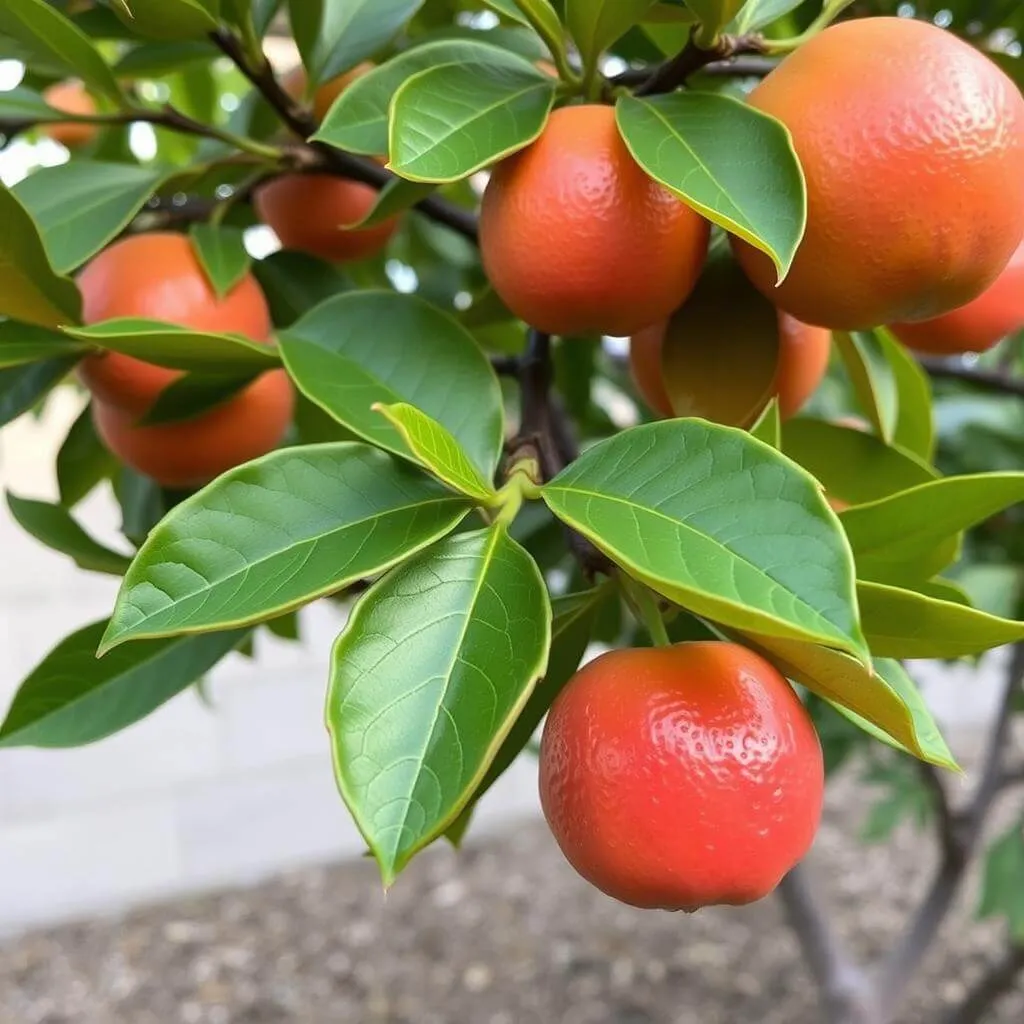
x=303 y=123
x=991 y=380
x=949 y=824
x=692 y=58
x=847 y=992
x=924 y=926
x=733 y=67
x=996 y=982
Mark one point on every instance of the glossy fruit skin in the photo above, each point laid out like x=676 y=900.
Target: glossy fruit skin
x=997 y=313
x=158 y=277
x=308 y=213
x=912 y=144
x=295 y=84
x=802 y=362
x=681 y=777
x=72 y=98
x=577 y=239
x=190 y=453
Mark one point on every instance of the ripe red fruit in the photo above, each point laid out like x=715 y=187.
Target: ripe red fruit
x=680 y=777
x=976 y=327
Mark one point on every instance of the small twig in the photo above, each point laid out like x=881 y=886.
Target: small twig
x=734 y=67
x=924 y=926
x=991 y=380
x=1012 y=777
x=848 y=995
x=303 y=123
x=949 y=824
x=996 y=982
x=693 y=58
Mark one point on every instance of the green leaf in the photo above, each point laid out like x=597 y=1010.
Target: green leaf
x=450 y=121
x=57 y=42
x=439 y=452
x=756 y=14
x=884 y=695
x=53 y=526
x=160 y=59
x=509 y=9
x=335 y=35
x=23 y=343
x=30 y=290
x=1002 y=892
x=913 y=533
x=276 y=533
x=434 y=667
x=543 y=18
x=943 y=590
x=573 y=619
x=904 y=624
x=719 y=523
x=192 y=395
x=396 y=196
x=82 y=205
x=294 y=283
x=25 y=105
x=853 y=465
x=83 y=461
x=596 y=24
x=731 y=163
x=357 y=350
x=222 y=255
x=170 y=19
x=71 y=698
x=358 y=121
x=22 y=386
x=915 y=419
x=872 y=379
x=714 y=15
x=179 y=348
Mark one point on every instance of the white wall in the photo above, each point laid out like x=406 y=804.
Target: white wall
x=191 y=797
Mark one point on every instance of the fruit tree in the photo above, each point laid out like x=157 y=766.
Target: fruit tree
x=685 y=331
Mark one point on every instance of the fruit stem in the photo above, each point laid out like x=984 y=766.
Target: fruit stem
x=830 y=11
x=645 y=606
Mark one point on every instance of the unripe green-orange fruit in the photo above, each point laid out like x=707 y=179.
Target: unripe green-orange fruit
x=680 y=777
x=995 y=314
x=726 y=352
x=71 y=98
x=158 y=276
x=577 y=239
x=912 y=146
x=309 y=213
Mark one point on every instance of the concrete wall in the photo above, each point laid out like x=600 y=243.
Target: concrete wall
x=192 y=797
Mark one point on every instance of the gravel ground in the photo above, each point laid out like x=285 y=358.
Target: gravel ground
x=501 y=933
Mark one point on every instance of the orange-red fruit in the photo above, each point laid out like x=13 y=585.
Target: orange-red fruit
x=577 y=239
x=912 y=145
x=976 y=327
x=295 y=84
x=158 y=277
x=803 y=354
x=679 y=777
x=71 y=98
x=309 y=213
x=189 y=453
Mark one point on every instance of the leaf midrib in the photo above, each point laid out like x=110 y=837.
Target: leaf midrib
x=224 y=580
x=690 y=529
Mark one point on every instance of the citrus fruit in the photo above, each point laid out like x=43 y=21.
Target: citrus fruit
x=577 y=239
x=679 y=777
x=912 y=146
